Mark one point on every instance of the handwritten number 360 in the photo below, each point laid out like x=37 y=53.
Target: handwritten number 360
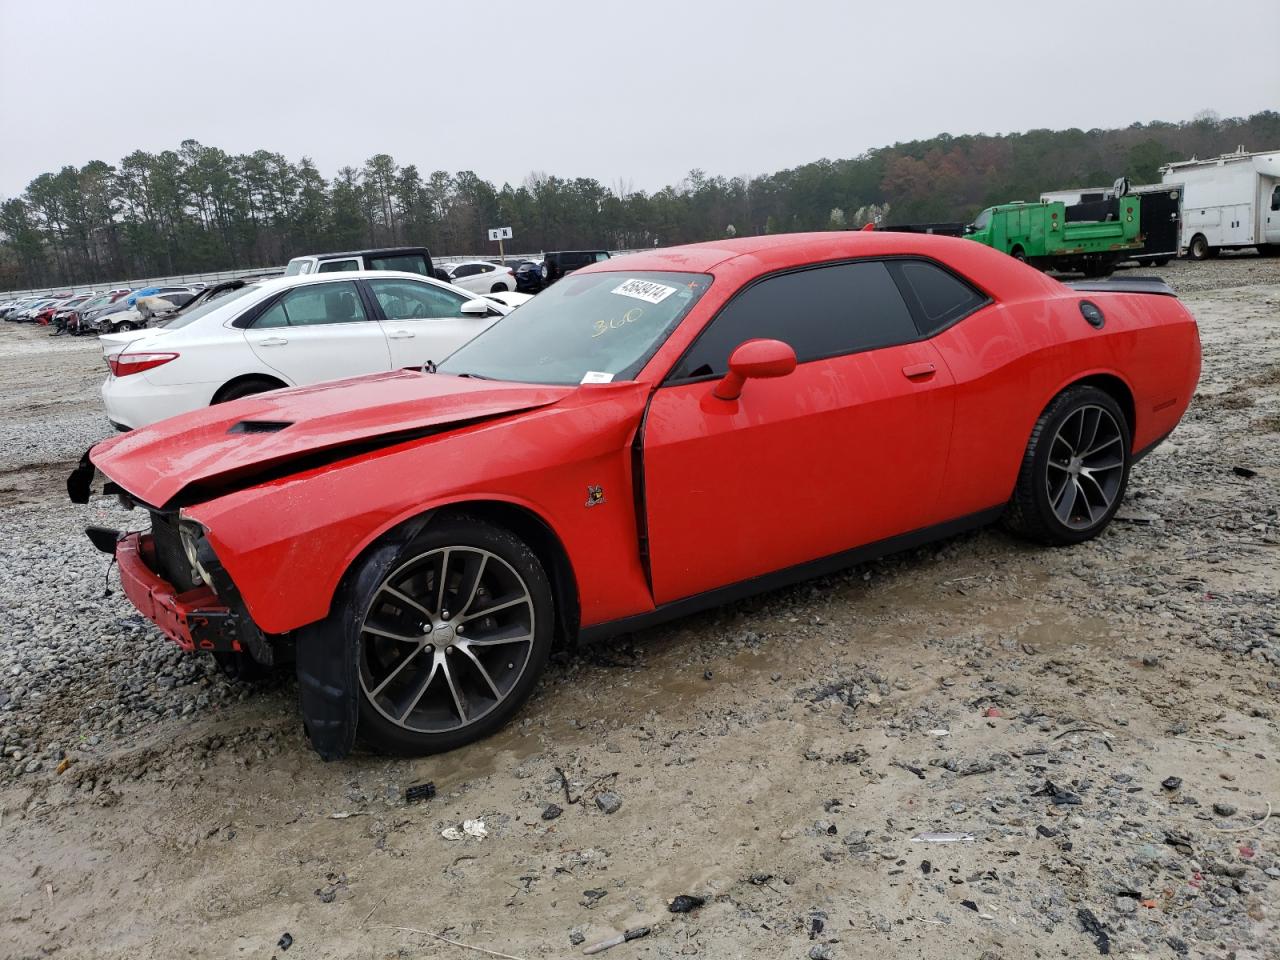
x=616 y=323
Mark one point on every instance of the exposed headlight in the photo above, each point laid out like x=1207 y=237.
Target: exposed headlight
x=192 y=533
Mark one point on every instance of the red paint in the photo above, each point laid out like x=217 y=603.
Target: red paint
x=773 y=472
x=156 y=599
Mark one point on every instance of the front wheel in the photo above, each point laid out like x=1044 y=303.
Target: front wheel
x=441 y=639
x=125 y=326
x=1074 y=471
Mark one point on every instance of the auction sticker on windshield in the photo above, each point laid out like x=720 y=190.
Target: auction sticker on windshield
x=645 y=290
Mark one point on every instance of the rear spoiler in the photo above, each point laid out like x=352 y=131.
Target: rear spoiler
x=1152 y=285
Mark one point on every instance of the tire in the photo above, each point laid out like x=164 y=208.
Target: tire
x=1199 y=248
x=450 y=688
x=1161 y=262
x=1018 y=254
x=122 y=327
x=245 y=388
x=498 y=288
x=1037 y=511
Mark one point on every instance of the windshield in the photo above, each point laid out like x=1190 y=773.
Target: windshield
x=588 y=328
x=983 y=219
x=215 y=302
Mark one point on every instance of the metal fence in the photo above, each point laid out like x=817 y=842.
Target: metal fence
x=216 y=277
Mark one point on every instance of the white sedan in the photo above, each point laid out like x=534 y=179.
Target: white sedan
x=481 y=276
x=287 y=331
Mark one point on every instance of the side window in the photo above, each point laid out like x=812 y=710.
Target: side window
x=466 y=270
x=484 y=268
x=407 y=300
x=601 y=256
x=819 y=312
x=409 y=263
x=314 y=305
x=940 y=297
x=1275 y=198
x=338 y=266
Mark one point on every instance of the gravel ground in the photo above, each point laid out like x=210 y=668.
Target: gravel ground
x=1101 y=721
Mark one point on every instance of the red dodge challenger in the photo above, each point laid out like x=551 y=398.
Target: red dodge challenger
x=651 y=436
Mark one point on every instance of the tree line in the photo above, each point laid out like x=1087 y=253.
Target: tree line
x=199 y=208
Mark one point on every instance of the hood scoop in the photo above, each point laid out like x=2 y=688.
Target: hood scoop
x=260 y=426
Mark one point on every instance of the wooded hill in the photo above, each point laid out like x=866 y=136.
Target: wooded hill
x=198 y=208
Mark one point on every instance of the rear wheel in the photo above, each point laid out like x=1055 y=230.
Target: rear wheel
x=441 y=639
x=245 y=388
x=498 y=288
x=1199 y=249
x=1074 y=471
x=126 y=325
x=1018 y=254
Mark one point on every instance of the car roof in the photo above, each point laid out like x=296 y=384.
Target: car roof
x=358 y=253
x=989 y=268
x=303 y=279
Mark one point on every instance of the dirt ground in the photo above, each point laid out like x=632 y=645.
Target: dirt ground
x=775 y=757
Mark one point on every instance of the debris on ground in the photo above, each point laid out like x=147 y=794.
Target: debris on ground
x=285 y=941
x=551 y=811
x=419 y=791
x=685 y=903
x=1093 y=927
x=942 y=837
x=633 y=934
x=609 y=802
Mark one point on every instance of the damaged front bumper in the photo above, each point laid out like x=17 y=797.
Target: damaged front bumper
x=193 y=619
x=173 y=577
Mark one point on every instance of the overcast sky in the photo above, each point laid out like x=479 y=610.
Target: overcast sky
x=638 y=91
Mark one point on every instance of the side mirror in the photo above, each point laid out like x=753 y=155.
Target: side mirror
x=968 y=229
x=475 y=308
x=755 y=358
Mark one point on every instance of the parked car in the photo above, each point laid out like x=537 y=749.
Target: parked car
x=83 y=320
x=14 y=308
x=65 y=309
x=529 y=276
x=284 y=332
x=45 y=316
x=23 y=312
x=481 y=276
x=649 y=437
x=132 y=299
x=558 y=263
x=404 y=259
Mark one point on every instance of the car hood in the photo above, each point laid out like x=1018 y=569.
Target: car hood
x=198 y=455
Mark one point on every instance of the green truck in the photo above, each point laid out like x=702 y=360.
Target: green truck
x=1052 y=236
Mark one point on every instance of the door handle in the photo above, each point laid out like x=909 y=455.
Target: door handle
x=919 y=371
x=273 y=342
x=400 y=335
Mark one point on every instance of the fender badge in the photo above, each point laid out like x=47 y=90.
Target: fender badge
x=595 y=495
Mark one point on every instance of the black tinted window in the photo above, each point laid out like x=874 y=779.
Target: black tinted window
x=820 y=312
x=410 y=263
x=940 y=297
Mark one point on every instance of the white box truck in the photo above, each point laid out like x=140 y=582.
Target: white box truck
x=1228 y=202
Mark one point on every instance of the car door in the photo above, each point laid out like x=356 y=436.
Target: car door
x=847 y=450
x=319 y=331
x=423 y=321
x=1271 y=230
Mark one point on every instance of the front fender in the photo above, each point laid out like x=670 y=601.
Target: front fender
x=288 y=543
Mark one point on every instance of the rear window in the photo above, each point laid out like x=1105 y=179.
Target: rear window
x=941 y=297
x=216 y=302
